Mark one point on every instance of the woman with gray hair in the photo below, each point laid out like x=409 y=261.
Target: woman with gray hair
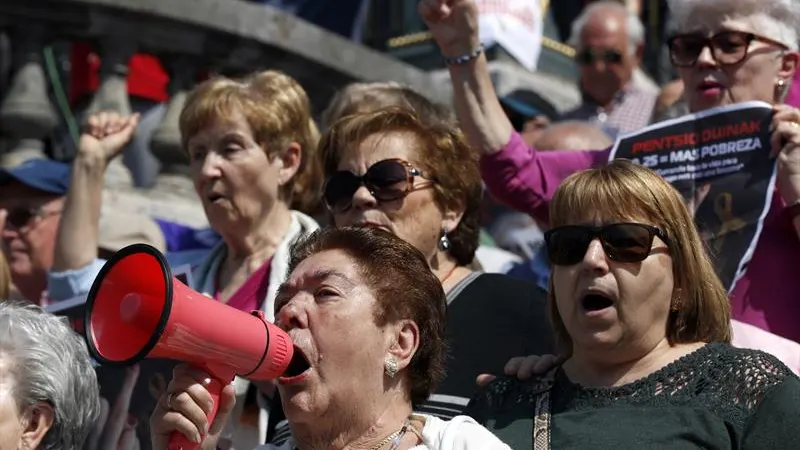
x=726 y=52
x=49 y=397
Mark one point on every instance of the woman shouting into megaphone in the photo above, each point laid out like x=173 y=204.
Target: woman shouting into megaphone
x=366 y=316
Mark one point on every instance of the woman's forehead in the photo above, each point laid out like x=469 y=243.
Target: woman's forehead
x=379 y=146
x=598 y=218
x=716 y=18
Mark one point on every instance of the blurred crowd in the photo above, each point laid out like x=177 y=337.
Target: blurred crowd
x=446 y=270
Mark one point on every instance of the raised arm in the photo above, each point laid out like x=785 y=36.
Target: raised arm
x=78 y=234
x=514 y=173
x=454 y=25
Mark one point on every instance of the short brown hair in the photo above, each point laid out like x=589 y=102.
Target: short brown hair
x=278 y=111
x=359 y=98
x=404 y=288
x=443 y=153
x=703 y=313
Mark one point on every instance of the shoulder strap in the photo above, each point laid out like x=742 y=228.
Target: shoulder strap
x=541 y=418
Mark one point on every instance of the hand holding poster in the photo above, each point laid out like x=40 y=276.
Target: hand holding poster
x=719 y=160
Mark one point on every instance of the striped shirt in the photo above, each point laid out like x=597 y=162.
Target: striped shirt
x=630 y=110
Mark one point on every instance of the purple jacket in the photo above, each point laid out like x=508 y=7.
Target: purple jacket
x=768 y=294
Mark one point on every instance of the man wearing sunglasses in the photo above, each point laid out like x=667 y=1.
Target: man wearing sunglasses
x=31 y=202
x=609 y=41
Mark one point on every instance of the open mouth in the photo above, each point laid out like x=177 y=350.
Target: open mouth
x=298 y=366
x=596 y=302
x=214 y=197
x=710 y=86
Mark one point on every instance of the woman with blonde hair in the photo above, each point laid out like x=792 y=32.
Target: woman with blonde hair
x=725 y=52
x=644 y=320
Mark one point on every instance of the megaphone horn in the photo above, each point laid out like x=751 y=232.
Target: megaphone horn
x=136 y=309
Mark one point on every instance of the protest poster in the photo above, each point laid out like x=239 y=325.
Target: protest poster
x=719 y=160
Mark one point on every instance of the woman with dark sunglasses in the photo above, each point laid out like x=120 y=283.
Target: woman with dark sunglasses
x=644 y=323
x=416 y=177
x=725 y=52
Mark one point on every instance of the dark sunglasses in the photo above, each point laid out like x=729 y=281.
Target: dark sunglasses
x=622 y=242
x=727 y=47
x=19 y=217
x=589 y=56
x=386 y=180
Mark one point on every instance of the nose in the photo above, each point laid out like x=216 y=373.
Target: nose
x=293 y=315
x=210 y=167
x=595 y=258
x=599 y=65
x=363 y=199
x=706 y=58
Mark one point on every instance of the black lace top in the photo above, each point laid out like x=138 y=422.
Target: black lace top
x=717 y=397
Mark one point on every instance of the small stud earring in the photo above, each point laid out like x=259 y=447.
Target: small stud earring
x=390 y=366
x=444 y=241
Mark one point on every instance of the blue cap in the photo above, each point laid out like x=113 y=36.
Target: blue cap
x=41 y=174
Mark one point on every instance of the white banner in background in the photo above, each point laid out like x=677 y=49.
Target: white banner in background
x=515 y=25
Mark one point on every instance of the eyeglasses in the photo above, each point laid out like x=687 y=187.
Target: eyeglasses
x=386 y=180
x=589 y=56
x=21 y=216
x=727 y=47
x=622 y=242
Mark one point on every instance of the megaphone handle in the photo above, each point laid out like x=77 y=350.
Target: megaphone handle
x=180 y=442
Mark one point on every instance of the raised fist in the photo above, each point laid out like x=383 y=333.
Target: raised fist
x=453 y=24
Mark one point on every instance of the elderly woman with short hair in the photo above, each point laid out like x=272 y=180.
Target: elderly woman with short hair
x=726 y=52
x=367 y=318
x=361 y=98
x=644 y=320
x=49 y=398
x=250 y=143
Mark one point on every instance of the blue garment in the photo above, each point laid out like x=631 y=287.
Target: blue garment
x=536 y=269
x=179 y=237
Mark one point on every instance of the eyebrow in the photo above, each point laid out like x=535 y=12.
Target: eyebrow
x=231 y=136
x=289 y=288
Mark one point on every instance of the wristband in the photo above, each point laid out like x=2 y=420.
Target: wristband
x=464 y=58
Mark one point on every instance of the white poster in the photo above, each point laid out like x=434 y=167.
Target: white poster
x=515 y=25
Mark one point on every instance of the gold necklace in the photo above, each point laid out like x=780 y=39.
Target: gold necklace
x=386 y=440
x=394 y=438
x=397 y=436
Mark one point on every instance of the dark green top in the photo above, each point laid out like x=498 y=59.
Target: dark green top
x=718 y=397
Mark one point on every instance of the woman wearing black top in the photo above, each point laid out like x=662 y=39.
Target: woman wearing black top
x=413 y=174
x=639 y=310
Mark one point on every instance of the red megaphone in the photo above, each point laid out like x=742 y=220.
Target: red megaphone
x=136 y=309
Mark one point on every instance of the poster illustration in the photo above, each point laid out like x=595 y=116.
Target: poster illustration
x=719 y=160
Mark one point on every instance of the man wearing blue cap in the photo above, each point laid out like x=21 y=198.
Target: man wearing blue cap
x=31 y=202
